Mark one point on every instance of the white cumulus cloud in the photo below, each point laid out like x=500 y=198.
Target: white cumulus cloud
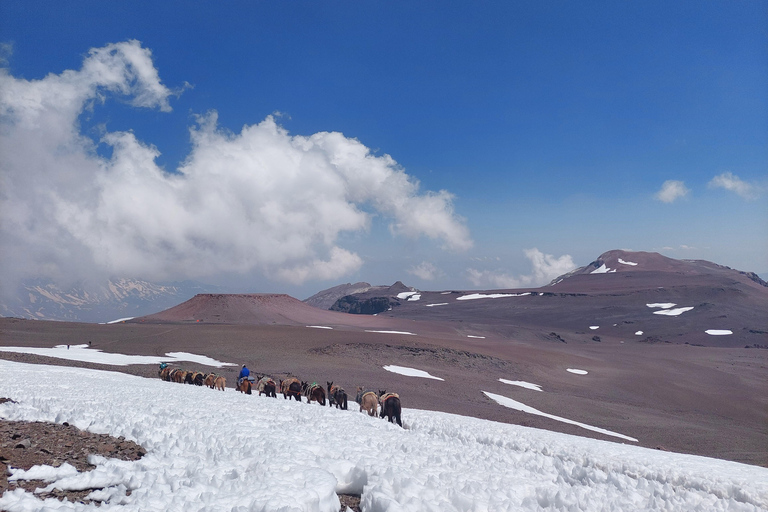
x=261 y=200
x=733 y=183
x=671 y=190
x=545 y=267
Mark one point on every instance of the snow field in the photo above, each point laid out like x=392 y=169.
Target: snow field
x=475 y=296
x=212 y=451
x=92 y=355
x=522 y=384
x=410 y=372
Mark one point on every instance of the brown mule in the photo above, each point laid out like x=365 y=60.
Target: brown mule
x=369 y=401
x=291 y=387
x=244 y=387
x=390 y=407
x=267 y=386
x=313 y=392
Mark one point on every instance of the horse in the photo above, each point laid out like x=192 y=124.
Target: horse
x=314 y=392
x=266 y=386
x=390 y=406
x=368 y=401
x=198 y=378
x=165 y=373
x=244 y=386
x=291 y=387
x=220 y=382
x=336 y=396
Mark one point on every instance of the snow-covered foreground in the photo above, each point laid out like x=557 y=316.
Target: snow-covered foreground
x=213 y=451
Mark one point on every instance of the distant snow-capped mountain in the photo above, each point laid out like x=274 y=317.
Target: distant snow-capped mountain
x=104 y=301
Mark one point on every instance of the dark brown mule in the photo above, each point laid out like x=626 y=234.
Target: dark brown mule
x=390 y=406
x=291 y=387
x=266 y=386
x=368 y=401
x=313 y=392
x=337 y=396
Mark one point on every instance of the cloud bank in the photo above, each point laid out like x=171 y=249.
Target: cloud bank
x=672 y=190
x=259 y=200
x=546 y=267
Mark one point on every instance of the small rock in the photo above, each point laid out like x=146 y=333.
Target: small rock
x=26 y=443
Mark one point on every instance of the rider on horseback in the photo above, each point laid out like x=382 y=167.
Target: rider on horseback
x=244 y=373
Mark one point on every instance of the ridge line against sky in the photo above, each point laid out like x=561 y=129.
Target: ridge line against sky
x=289 y=148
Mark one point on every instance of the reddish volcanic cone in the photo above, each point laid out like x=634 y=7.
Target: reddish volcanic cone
x=253 y=309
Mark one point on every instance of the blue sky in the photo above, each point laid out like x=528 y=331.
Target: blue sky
x=552 y=127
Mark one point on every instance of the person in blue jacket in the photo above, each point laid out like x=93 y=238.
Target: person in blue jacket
x=244 y=373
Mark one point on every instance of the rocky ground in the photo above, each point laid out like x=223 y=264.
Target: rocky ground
x=25 y=444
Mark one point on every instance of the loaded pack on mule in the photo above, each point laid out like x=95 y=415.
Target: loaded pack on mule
x=368 y=400
x=211 y=380
x=336 y=396
x=266 y=386
x=313 y=392
x=390 y=406
x=196 y=378
x=291 y=387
